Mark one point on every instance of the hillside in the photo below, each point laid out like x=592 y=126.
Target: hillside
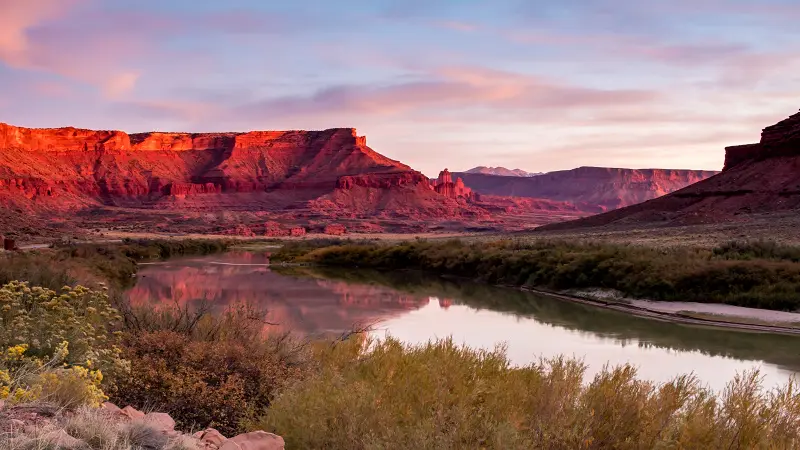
x=757 y=178
x=594 y=189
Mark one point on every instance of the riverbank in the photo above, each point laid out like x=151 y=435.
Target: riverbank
x=756 y=275
x=700 y=314
x=111 y=264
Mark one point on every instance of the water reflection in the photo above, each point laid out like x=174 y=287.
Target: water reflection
x=295 y=303
x=416 y=308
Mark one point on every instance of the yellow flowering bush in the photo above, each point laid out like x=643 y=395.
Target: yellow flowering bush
x=56 y=347
x=30 y=379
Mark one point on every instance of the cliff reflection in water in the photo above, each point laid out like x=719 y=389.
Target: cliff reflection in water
x=301 y=304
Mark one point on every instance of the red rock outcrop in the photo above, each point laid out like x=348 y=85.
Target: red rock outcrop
x=758 y=178
x=444 y=185
x=274 y=229
x=335 y=229
x=781 y=139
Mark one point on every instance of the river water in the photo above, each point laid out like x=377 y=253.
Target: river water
x=416 y=308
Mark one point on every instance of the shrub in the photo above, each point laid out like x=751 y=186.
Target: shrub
x=56 y=347
x=42 y=320
x=98 y=431
x=207 y=383
x=389 y=395
x=28 y=379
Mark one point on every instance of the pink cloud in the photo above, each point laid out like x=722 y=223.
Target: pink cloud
x=450 y=88
x=79 y=40
x=34 y=35
x=16 y=20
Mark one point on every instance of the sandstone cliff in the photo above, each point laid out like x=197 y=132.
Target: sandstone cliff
x=757 y=178
x=592 y=188
x=74 y=167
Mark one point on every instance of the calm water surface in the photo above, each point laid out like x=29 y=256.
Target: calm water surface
x=416 y=308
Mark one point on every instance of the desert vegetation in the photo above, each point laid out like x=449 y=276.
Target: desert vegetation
x=755 y=274
x=355 y=393
x=74 y=348
x=89 y=264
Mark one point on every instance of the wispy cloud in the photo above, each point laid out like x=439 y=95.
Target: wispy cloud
x=16 y=21
x=450 y=88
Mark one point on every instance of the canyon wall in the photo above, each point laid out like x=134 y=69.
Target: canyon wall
x=600 y=188
x=781 y=139
x=116 y=168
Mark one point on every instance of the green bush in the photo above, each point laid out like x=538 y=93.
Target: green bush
x=91 y=264
x=372 y=395
x=756 y=275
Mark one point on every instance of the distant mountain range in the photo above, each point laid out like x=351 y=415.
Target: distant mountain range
x=593 y=189
x=501 y=171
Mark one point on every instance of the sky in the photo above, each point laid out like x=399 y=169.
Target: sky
x=533 y=84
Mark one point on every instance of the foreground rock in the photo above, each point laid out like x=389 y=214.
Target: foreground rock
x=257 y=440
x=42 y=426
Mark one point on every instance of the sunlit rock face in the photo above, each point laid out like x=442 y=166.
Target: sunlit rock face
x=317 y=173
x=444 y=185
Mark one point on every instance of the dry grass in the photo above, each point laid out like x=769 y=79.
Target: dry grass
x=387 y=395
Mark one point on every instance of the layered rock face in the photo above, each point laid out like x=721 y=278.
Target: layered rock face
x=592 y=188
x=86 y=167
x=781 y=139
x=758 y=178
x=444 y=185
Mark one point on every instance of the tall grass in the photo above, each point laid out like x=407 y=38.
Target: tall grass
x=373 y=395
x=756 y=274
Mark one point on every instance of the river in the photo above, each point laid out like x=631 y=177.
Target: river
x=416 y=308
